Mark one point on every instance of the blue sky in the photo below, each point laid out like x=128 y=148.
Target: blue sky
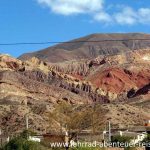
x=62 y=20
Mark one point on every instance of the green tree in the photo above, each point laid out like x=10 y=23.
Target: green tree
x=26 y=133
x=147 y=139
x=22 y=143
x=122 y=139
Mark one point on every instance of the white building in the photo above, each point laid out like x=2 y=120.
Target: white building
x=35 y=138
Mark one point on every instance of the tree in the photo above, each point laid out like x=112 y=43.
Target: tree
x=22 y=143
x=76 y=117
x=147 y=140
x=26 y=133
x=60 y=114
x=122 y=140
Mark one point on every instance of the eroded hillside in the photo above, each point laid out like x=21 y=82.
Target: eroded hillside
x=118 y=83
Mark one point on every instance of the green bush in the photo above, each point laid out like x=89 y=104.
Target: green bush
x=147 y=139
x=30 y=145
x=121 y=139
x=26 y=133
x=20 y=143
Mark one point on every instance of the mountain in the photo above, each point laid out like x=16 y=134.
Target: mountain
x=118 y=83
x=26 y=88
x=93 y=74
x=92 y=46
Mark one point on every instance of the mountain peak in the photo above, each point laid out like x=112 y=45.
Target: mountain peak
x=92 y=46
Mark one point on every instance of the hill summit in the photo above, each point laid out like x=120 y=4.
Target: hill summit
x=91 y=46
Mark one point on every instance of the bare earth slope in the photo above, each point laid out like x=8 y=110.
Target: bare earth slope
x=115 y=75
x=81 y=49
x=119 y=83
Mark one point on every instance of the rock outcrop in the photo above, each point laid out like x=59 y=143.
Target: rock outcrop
x=34 y=87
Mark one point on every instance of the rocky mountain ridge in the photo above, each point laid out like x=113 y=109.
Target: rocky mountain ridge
x=91 y=46
x=118 y=82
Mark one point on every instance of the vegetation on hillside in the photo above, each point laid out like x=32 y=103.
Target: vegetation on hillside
x=77 y=118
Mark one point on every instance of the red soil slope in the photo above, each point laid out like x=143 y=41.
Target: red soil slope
x=119 y=80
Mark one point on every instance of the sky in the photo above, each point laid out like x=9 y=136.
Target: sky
x=63 y=20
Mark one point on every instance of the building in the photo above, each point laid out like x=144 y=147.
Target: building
x=136 y=136
x=37 y=138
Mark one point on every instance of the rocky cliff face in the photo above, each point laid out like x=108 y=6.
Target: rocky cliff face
x=27 y=89
x=35 y=86
x=110 y=76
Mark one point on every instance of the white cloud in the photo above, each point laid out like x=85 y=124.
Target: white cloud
x=130 y=16
x=124 y=16
x=103 y=17
x=69 y=7
x=144 y=14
